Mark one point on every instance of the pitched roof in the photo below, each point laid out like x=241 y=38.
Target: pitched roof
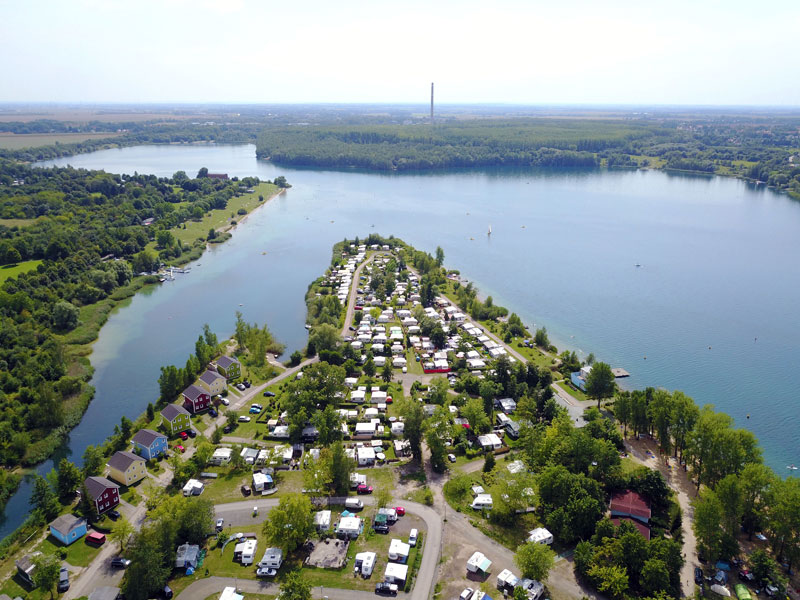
x=146 y=437
x=171 y=411
x=97 y=485
x=193 y=392
x=643 y=529
x=226 y=361
x=66 y=523
x=210 y=377
x=630 y=503
x=122 y=460
x=26 y=564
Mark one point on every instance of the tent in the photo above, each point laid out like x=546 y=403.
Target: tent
x=721 y=590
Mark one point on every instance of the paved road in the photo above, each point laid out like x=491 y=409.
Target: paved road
x=574 y=407
x=351 y=300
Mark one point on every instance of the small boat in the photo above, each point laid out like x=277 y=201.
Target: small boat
x=161 y=280
x=791 y=468
x=490 y=230
x=240 y=304
x=307 y=326
x=638 y=265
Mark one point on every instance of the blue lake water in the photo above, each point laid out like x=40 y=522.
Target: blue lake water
x=718 y=270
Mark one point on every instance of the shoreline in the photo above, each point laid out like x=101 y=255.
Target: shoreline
x=84 y=350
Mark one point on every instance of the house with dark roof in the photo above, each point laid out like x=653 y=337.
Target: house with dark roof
x=229 y=367
x=26 y=568
x=213 y=382
x=175 y=418
x=630 y=504
x=68 y=528
x=196 y=399
x=149 y=443
x=105 y=493
x=126 y=468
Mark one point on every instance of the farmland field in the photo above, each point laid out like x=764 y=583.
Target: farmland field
x=12 y=141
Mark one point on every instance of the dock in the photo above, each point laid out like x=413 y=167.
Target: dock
x=619 y=372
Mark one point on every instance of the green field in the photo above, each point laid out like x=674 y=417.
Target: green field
x=219 y=219
x=17 y=222
x=11 y=141
x=8 y=271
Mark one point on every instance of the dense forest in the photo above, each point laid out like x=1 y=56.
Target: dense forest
x=761 y=149
x=73 y=242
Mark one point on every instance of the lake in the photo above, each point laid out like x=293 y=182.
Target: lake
x=711 y=310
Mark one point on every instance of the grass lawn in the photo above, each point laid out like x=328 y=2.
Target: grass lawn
x=79 y=553
x=15 y=141
x=577 y=394
x=17 y=222
x=8 y=271
x=227 y=487
x=221 y=218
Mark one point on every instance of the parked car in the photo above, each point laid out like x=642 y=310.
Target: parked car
x=212 y=412
x=226 y=402
x=389 y=400
x=269 y=394
x=380 y=527
x=63 y=580
x=451 y=457
x=771 y=590
x=179 y=448
x=166 y=592
x=192 y=433
x=246 y=384
x=244 y=419
x=245 y=490
x=240 y=387
x=227 y=429
x=95 y=538
x=254 y=410
x=183 y=435
x=266 y=572
x=352 y=328
x=698 y=576
x=220 y=524
x=466 y=594
x=113 y=515
x=386 y=588
x=400 y=511
x=746 y=575
x=364 y=488
x=120 y=563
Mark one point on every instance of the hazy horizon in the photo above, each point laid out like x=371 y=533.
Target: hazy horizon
x=512 y=53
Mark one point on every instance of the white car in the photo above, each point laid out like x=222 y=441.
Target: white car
x=412 y=537
x=266 y=572
x=226 y=402
x=244 y=419
x=466 y=594
x=451 y=457
x=240 y=386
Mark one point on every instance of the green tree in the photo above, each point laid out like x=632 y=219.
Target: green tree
x=47 y=571
x=341 y=466
x=439 y=256
x=152 y=557
x=473 y=412
x=295 y=587
x=762 y=566
x=612 y=580
x=69 y=478
x=231 y=418
x=535 y=560
x=540 y=338
x=707 y=524
x=756 y=481
x=65 y=316
x=600 y=383
x=93 y=460
x=324 y=337
x=369 y=367
x=414 y=420
x=290 y=523
x=86 y=506
x=386 y=372
x=44 y=499
x=328 y=423
x=655 y=577
x=488 y=463
x=121 y=532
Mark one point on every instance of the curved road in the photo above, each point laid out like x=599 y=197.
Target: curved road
x=240 y=514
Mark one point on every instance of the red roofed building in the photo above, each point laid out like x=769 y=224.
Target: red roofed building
x=643 y=529
x=630 y=504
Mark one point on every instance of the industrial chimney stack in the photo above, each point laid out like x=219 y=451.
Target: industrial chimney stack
x=431 y=103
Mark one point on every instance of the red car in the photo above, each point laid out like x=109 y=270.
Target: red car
x=400 y=511
x=180 y=448
x=364 y=489
x=388 y=399
x=184 y=435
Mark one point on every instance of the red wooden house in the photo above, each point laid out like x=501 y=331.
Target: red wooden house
x=105 y=493
x=196 y=399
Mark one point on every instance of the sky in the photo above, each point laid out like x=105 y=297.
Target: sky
x=698 y=52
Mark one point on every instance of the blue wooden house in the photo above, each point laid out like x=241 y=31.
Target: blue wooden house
x=149 y=443
x=68 y=528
